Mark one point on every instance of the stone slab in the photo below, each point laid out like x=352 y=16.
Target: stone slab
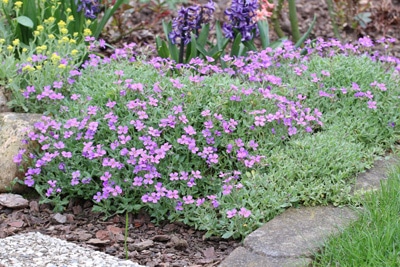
x=241 y=257
x=371 y=179
x=298 y=232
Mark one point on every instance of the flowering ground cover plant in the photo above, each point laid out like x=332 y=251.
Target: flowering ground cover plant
x=221 y=149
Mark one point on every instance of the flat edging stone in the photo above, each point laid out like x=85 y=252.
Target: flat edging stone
x=291 y=238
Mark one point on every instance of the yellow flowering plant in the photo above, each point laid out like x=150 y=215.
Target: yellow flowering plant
x=23 y=18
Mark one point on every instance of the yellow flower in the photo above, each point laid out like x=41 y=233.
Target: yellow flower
x=28 y=68
x=10 y=48
x=71 y=18
x=68 y=10
x=75 y=34
x=51 y=36
x=2 y=41
x=72 y=41
x=40 y=28
x=24 y=50
x=36 y=33
x=61 y=24
x=18 y=4
x=74 y=52
x=5 y=2
x=55 y=57
x=15 y=42
x=65 y=39
x=38 y=67
x=87 y=32
x=62 y=66
x=64 y=30
x=51 y=19
x=29 y=59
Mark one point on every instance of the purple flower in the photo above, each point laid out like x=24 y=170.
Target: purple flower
x=179 y=206
x=231 y=213
x=241 y=15
x=29 y=181
x=253 y=144
x=89 y=7
x=172 y=194
x=372 y=104
x=191 y=183
x=200 y=201
x=98 y=197
x=229 y=148
x=244 y=212
x=188 y=199
x=190 y=130
x=61 y=166
x=366 y=42
x=188 y=20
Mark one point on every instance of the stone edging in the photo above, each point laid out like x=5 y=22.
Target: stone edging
x=291 y=238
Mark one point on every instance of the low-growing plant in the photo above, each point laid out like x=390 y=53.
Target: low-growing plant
x=222 y=149
x=26 y=19
x=46 y=69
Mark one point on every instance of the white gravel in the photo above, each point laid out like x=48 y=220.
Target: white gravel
x=38 y=250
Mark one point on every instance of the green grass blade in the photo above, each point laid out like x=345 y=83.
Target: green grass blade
x=305 y=36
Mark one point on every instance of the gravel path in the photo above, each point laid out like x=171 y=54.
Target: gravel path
x=38 y=250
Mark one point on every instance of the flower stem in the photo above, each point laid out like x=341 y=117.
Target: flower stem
x=293 y=20
x=126 y=235
x=275 y=19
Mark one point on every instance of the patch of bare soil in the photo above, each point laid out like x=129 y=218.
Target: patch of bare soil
x=168 y=244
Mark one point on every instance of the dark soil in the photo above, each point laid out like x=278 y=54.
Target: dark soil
x=168 y=244
x=174 y=244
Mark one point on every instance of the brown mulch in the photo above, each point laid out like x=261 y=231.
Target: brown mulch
x=168 y=244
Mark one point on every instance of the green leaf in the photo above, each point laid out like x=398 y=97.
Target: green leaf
x=192 y=48
x=173 y=50
x=242 y=50
x=217 y=49
x=25 y=21
x=162 y=48
x=202 y=50
x=167 y=27
x=236 y=45
x=29 y=9
x=250 y=45
x=263 y=28
x=203 y=36
x=305 y=36
x=220 y=36
x=107 y=15
x=227 y=235
x=278 y=43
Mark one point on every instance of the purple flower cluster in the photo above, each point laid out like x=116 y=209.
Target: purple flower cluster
x=189 y=20
x=89 y=7
x=241 y=15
